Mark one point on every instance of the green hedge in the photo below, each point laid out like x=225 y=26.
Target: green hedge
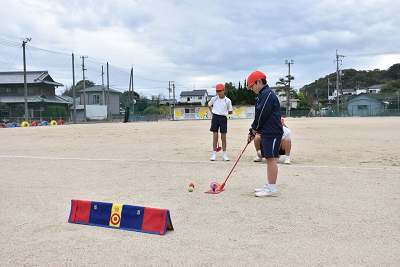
x=56 y=111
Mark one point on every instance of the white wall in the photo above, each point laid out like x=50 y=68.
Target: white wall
x=95 y=112
x=199 y=113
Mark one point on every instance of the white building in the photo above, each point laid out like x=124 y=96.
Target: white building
x=374 y=89
x=194 y=96
x=282 y=98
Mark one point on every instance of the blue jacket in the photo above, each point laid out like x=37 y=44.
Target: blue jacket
x=267 y=118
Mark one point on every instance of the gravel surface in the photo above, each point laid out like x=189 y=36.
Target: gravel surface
x=338 y=202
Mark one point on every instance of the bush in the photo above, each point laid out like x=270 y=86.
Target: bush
x=150 y=110
x=56 y=111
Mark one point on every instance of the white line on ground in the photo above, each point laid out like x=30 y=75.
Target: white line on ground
x=192 y=161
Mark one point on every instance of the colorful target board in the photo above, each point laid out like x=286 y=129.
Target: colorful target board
x=120 y=216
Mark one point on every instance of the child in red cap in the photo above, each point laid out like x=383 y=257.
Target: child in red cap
x=267 y=122
x=219 y=106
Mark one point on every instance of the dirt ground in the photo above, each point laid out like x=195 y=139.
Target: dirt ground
x=338 y=202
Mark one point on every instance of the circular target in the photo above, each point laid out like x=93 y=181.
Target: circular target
x=115 y=219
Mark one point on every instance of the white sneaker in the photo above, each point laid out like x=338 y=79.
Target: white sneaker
x=287 y=161
x=225 y=158
x=258 y=159
x=260 y=189
x=214 y=158
x=266 y=193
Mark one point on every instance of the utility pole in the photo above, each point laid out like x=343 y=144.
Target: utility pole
x=338 y=58
x=108 y=95
x=288 y=91
x=84 y=87
x=173 y=86
x=328 y=89
x=102 y=84
x=169 y=90
x=25 y=85
x=133 y=95
x=73 y=86
x=129 y=88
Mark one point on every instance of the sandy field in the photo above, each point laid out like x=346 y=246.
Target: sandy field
x=338 y=202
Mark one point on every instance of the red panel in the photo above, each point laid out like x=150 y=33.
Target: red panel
x=154 y=220
x=83 y=211
x=74 y=205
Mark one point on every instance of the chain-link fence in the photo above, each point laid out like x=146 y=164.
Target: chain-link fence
x=373 y=110
x=144 y=111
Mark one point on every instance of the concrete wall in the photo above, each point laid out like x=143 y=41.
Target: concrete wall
x=94 y=112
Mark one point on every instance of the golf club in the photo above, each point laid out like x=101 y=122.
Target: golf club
x=217 y=189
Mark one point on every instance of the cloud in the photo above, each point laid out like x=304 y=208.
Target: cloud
x=201 y=43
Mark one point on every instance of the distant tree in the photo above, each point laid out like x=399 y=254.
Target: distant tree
x=157 y=98
x=150 y=110
x=393 y=72
x=287 y=90
x=3 y=105
x=69 y=91
x=244 y=96
x=20 y=109
x=311 y=99
x=124 y=97
x=142 y=98
x=303 y=100
x=55 y=111
x=230 y=92
x=240 y=95
x=391 y=87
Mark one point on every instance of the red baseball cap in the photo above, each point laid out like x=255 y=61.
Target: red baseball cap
x=255 y=76
x=220 y=87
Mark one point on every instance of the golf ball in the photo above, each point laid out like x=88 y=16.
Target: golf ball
x=190 y=189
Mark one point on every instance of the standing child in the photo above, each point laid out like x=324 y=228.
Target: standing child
x=267 y=122
x=219 y=106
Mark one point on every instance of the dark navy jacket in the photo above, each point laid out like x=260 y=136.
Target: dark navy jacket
x=267 y=118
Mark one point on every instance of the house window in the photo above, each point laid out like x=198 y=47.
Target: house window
x=188 y=99
x=362 y=107
x=200 y=97
x=96 y=99
x=8 y=90
x=190 y=110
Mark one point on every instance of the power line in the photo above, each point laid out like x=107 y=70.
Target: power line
x=374 y=54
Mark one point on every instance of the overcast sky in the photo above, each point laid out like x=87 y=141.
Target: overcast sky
x=197 y=44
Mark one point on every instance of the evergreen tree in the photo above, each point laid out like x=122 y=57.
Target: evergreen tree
x=69 y=91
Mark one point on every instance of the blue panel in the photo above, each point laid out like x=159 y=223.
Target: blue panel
x=132 y=217
x=100 y=213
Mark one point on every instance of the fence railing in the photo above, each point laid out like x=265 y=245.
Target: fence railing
x=166 y=117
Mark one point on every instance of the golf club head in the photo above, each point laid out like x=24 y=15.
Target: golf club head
x=215 y=188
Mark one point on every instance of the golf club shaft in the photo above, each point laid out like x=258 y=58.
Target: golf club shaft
x=235 y=164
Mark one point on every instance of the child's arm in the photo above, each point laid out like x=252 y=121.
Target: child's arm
x=229 y=106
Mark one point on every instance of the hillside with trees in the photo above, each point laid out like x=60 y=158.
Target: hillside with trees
x=353 y=79
x=308 y=94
